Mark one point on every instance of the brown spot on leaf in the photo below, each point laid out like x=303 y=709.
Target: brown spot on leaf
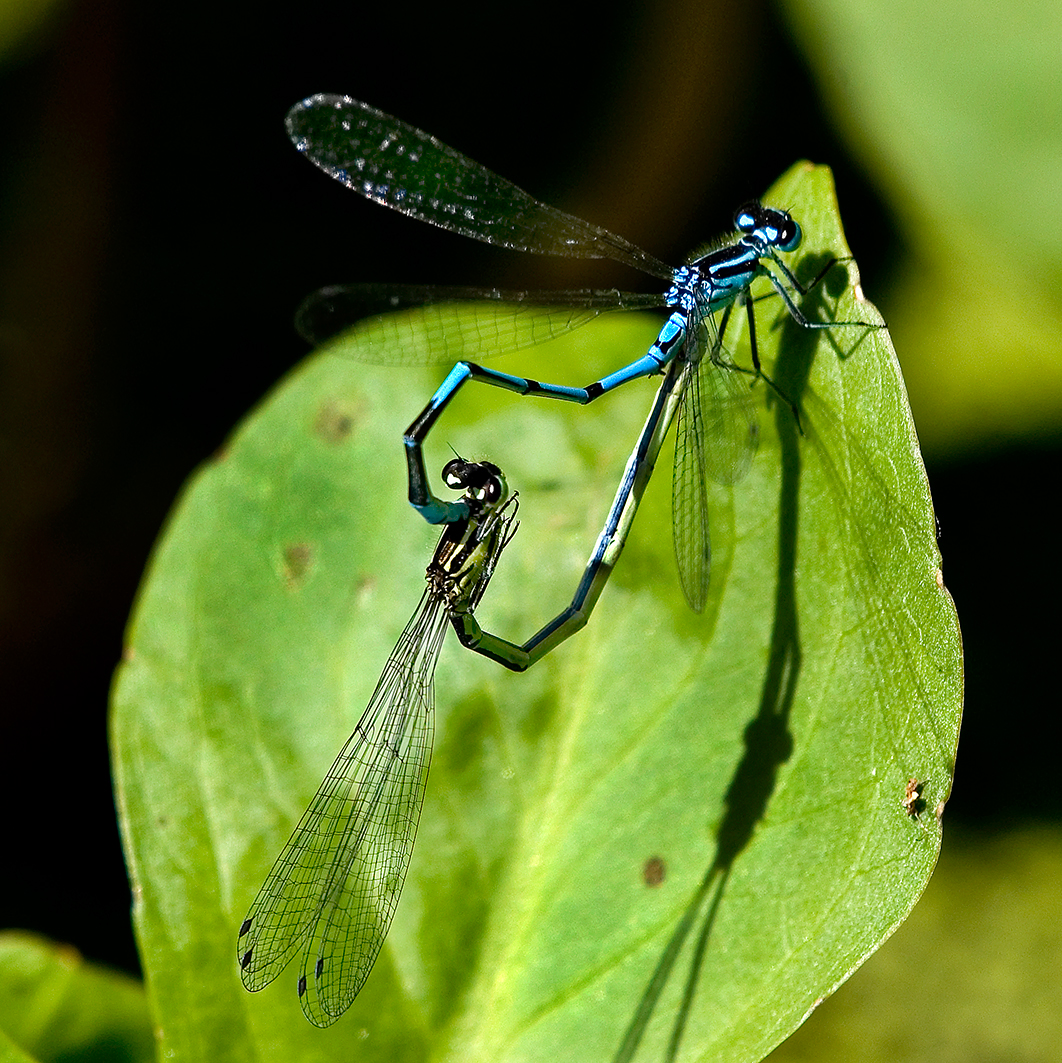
x=913 y=803
x=336 y=419
x=298 y=563
x=654 y=872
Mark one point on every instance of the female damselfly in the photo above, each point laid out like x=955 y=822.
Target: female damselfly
x=334 y=888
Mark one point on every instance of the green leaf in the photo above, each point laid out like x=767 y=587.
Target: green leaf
x=10 y=1052
x=23 y=25
x=57 y=1007
x=955 y=110
x=924 y=996
x=676 y=828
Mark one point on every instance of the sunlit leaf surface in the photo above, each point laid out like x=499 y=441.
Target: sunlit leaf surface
x=678 y=832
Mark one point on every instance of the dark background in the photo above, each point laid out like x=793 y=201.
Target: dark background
x=157 y=231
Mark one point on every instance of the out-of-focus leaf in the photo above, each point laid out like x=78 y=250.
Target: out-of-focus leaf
x=956 y=110
x=56 y=1007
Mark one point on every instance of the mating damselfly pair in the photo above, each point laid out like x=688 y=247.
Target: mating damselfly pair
x=335 y=886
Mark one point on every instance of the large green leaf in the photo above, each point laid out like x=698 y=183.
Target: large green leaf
x=677 y=829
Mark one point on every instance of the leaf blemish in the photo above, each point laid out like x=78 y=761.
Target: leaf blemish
x=654 y=872
x=913 y=803
x=298 y=563
x=364 y=591
x=337 y=419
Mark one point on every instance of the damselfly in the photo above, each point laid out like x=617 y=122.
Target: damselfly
x=334 y=888
x=400 y=166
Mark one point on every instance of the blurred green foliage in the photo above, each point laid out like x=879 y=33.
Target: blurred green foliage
x=57 y=1008
x=955 y=111
x=22 y=24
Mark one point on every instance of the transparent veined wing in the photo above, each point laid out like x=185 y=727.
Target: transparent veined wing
x=443 y=325
x=397 y=165
x=334 y=888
